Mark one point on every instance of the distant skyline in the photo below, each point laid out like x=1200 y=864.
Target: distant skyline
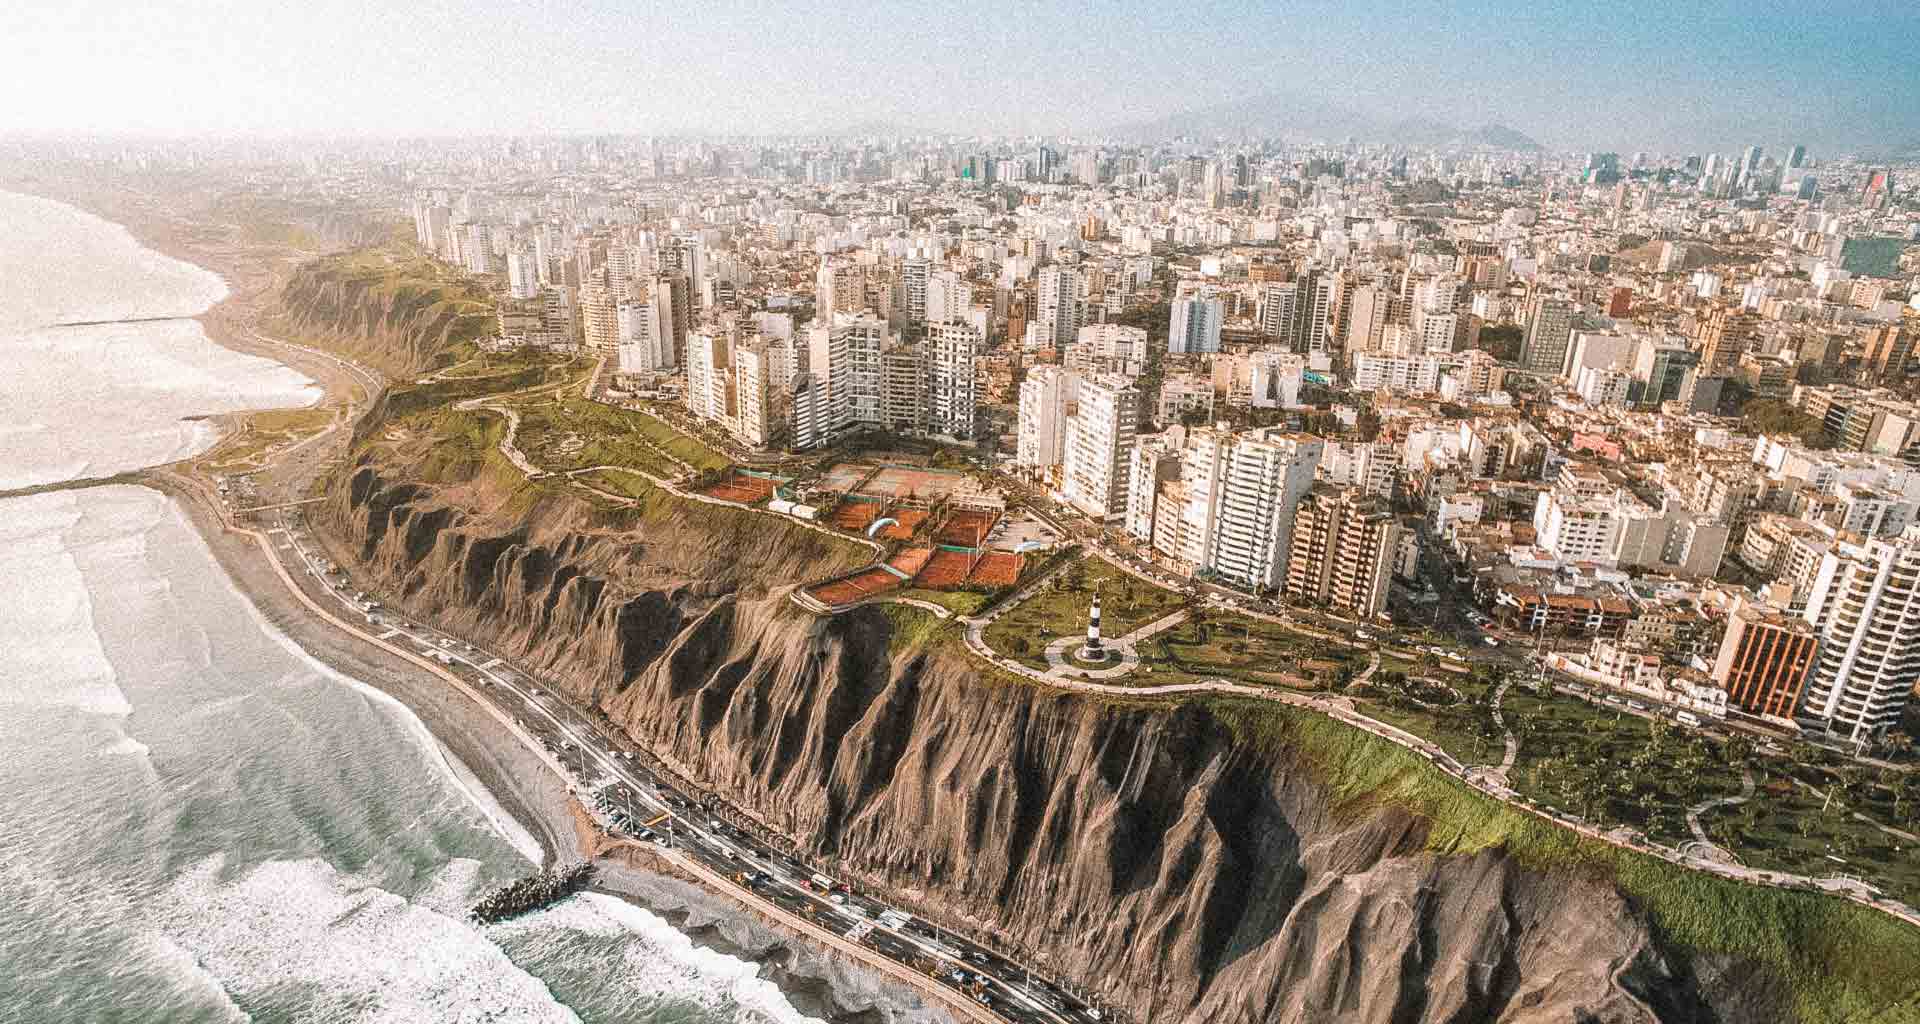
x=1629 y=76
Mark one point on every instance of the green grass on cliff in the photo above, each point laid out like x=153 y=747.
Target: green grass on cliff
x=1845 y=962
x=914 y=629
x=338 y=298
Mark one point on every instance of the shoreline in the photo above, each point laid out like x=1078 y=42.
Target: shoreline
x=480 y=750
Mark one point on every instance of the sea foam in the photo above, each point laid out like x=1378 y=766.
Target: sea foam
x=323 y=945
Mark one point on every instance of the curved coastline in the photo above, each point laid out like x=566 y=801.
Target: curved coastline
x=493 y=770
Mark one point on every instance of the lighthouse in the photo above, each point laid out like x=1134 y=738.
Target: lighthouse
x=1093 y=651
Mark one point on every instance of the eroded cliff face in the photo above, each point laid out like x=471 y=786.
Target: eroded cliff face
x=378 y=314
x=1138 y=850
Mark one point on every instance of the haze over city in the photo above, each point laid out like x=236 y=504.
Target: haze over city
x=1638 y=75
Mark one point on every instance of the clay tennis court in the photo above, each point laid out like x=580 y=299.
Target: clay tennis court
x=902 y=482
x=945 y=569
x=909 y=519
x=997 y=569
x=966 y=527
x=844 y=477
x=854 y=588
x=856 y=516
x=911 y=560
x=748 y=490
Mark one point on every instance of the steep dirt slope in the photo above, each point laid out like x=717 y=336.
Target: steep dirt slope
x=1144 y=850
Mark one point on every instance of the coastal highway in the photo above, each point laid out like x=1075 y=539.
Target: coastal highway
x=629 y=796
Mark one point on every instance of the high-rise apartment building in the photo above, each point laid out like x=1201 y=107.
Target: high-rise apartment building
x=1370 y=308
x=1046 y=400
x=1865 y=604
x=1299 y=313
x=1889 y=347
x=948 y=297
x=839 y=286
x=913 y=281
x=1057 y=308
x=523 y=275
x=1313 y=303
x=1342 y=550
x=673 y=311
x=638 y=338
x=600 y=316
x=1549 y=335
x=1725 y=336
x=1266 y=473
x=953 y=347
x=710 y=393
x=1275 y=311
x=1195 y=324
x=687 y=255
x=844 y=359
x=1098 y=443
x=903 y=388
x=761 y=394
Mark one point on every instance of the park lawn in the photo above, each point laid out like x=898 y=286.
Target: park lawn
x=959 y=602
x=681 y=446
x=573 y=434
x=1793 y=830
x=1453 y=728
x=615 y=482
x=1243 y=648
x=1599 y=761
x=1060 y=608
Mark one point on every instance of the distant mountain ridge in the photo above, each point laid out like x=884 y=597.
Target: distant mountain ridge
x=1306 y=118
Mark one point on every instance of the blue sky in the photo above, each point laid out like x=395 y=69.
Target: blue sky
x=1627 y=75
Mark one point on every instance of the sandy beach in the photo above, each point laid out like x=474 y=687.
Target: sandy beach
x=487 y=754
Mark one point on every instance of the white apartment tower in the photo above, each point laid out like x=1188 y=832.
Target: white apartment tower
x=1195 y=324
x=1057 y=303
x=710 y=393
x=948 y=297
x=1267 y=471
x=914 y=274
x=639 y=338
x=952 y=349
x=1046 y=397
x=843 y=357
x=523 y=275
x=1099 y=442
x=1865 y=603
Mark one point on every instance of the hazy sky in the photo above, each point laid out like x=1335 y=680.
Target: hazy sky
x=1629 y=74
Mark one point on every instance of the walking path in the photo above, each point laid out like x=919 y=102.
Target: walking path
x=937 y=610
x=1700 y=834
x=1504 y=773
x=1373 y=665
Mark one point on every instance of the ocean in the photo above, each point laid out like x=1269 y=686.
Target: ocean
x=201 y=823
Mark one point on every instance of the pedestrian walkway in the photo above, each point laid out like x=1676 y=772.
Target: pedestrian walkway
x=1707 y=846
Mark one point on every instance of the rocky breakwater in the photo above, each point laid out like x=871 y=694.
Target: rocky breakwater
x=530 y=893
x=1204 y=861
